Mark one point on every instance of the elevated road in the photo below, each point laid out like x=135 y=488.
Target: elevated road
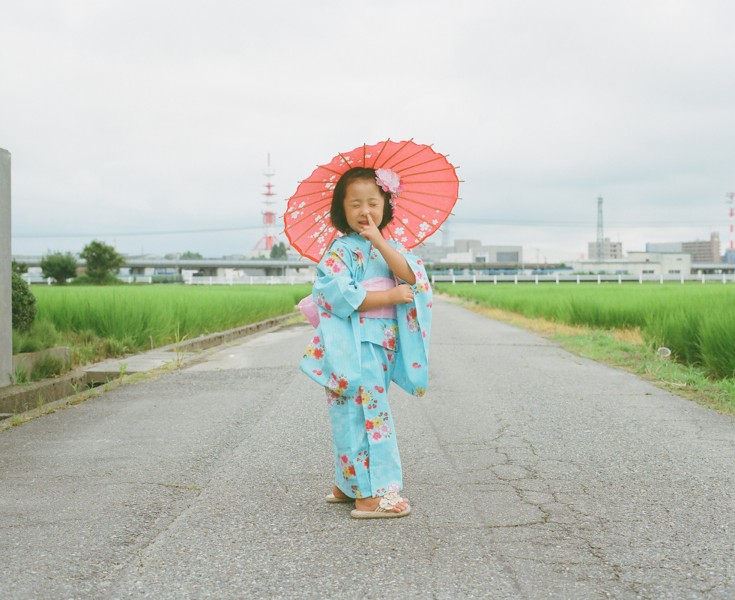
x=190 y=264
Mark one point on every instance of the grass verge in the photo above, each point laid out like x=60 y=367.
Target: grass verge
x=112 y=322
x=623 y=348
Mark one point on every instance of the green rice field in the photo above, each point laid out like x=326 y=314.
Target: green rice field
x=696 y=322
x=122 y=319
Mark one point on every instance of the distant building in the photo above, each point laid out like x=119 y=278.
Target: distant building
x=470 y=251
x=664 y=247
x=700 y=251
x=639 y=263
x=704 y=252
x=606 y=250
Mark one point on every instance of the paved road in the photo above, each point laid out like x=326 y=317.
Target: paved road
x=533 y=474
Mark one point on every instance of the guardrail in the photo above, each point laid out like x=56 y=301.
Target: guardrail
x=309 y=277
x=250 y=280
x=579 y=279
x=41 y=280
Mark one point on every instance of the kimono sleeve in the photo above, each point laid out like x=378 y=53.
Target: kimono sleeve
x=414 y=332
x=336 y=290
x=332 y=359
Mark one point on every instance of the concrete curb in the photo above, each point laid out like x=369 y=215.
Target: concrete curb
x=27 y=360
x=18 y=399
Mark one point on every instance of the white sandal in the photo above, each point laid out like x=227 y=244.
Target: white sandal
x=384 y=509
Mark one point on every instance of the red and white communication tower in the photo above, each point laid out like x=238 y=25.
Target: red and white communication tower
x=269 y=216
x=731 y=252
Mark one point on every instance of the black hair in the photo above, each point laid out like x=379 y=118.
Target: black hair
x=337 y=211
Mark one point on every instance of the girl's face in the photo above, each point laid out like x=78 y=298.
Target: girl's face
x=363 y=197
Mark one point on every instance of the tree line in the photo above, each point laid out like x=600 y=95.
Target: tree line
x=102 y=263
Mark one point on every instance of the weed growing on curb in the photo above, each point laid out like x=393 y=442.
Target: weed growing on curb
x=180 y=353
x=19 y=376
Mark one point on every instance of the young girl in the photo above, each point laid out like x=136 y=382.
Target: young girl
x=374 y=304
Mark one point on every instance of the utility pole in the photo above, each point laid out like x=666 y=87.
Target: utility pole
x=600 y=232
x=6 y=289
x=731 y=252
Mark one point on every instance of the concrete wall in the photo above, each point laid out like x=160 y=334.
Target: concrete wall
x=6 y=315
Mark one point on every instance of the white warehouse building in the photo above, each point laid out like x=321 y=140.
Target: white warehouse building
x=639 y=263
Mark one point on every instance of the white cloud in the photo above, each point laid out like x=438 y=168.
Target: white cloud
x=157 y=116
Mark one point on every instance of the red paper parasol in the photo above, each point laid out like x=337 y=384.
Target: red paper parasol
x=429 y=191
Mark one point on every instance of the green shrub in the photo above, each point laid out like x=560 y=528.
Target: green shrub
x=19 y=267
x=24 y=304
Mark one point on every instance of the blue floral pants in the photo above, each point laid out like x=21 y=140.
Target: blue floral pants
x=366 y=456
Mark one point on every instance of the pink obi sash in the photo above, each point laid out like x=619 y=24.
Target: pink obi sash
x=379 y=284
x=310 y=309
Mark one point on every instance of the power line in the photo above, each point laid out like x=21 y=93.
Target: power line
x=589 y=223
x=469 y=221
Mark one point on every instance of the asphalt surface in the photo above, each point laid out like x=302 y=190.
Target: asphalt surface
x=532 y=474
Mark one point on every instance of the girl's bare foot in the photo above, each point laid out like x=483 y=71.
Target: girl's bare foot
x=338 y=493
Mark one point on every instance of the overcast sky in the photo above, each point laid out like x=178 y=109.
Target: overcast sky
x=147 y=124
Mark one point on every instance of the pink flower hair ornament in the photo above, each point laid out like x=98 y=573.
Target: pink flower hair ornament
x=388 y=181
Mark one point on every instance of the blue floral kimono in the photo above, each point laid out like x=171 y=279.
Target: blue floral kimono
x=356 y=355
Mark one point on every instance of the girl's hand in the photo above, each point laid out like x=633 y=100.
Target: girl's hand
x=402 y=294
x=371 y=232
x=396 y=262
